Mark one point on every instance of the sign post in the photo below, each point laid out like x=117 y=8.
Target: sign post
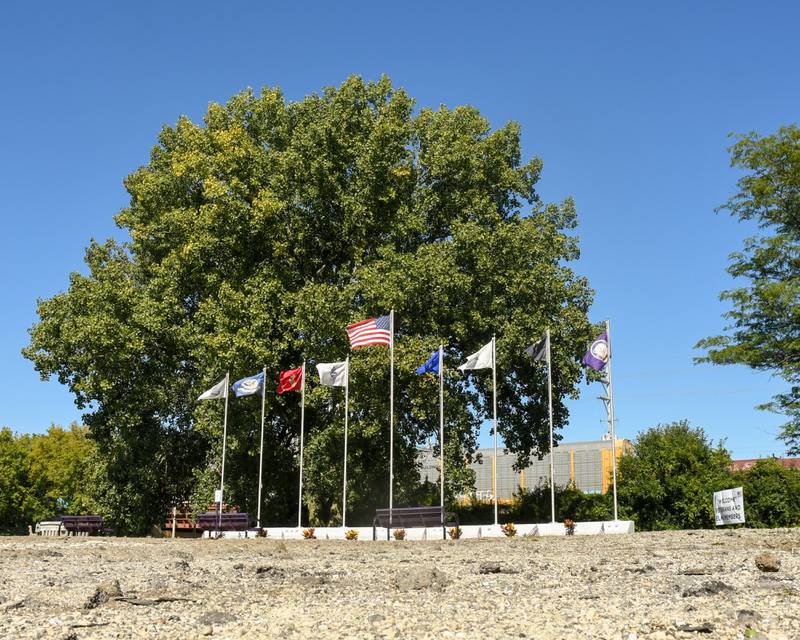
x=729 y=506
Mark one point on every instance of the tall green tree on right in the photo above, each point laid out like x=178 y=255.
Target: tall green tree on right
x=763 y=330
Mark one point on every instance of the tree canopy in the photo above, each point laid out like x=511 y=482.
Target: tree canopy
x=42 y=475
x=255 y=238
x=669 y=480
x=764 y=321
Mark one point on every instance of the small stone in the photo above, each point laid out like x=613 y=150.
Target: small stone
x=494 y=567
x=695 y=571
x=704 y=627
x=768 y=561
x=269 y=572
x=421 y=578
x=182 y=564
x=747 y=617
x=104 y=592
x=710 y=588
x=207 y=631
x=375 y=618
x=648 y=568
x=215 y=617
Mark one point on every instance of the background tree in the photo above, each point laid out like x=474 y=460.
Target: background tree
x=255 y=238
x=668 y=481
x=60 y=472
x=43 y=475
x=764 y=323
x=14 y=492
x=771 y=494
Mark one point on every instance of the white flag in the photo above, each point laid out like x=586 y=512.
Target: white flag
x=480 y=359
x=218 y=392
x=332 y=374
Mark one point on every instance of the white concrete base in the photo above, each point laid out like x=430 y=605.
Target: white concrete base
x=435 y=533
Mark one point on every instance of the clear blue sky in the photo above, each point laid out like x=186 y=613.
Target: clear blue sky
x=628 y=104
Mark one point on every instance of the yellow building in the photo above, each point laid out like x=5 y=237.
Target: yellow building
x=587 y=465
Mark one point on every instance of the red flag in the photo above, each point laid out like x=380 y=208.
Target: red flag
x=290 y=380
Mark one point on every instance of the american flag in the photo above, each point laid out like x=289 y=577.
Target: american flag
x=370 y=331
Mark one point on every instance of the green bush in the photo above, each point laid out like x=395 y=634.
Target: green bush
x=533 y=505
x=668 y=481
x=771 y=494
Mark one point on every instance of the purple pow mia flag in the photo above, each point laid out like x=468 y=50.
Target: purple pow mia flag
x=597 y=355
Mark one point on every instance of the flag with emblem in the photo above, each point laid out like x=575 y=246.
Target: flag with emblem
x=481 y=359
x=290 y=380
x=248 y=386
x=431 y=365
x=597 y=355
x=332 y=374
x=538 y=350
x=218 y=392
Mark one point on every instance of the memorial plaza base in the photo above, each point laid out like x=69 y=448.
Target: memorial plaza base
x=611 y=527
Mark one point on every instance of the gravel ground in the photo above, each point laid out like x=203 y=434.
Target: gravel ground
x=691 y=584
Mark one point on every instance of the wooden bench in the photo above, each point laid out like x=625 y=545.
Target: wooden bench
x=84 y=525
x=214 y=521
x=410 y=517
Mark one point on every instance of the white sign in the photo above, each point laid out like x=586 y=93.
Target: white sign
x=217 y=495
x=729 y=506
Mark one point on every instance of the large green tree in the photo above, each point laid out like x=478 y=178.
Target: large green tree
x=668 y=480
x=764 y=321
x=255 y=238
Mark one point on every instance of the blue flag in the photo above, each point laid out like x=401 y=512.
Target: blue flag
x=249 y=386
x=431 y=365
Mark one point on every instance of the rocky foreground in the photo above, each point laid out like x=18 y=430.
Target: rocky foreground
x=695 y=584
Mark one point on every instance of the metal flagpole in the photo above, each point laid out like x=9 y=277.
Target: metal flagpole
x=302 y=428
x=441 y=425
x=346 y=412
x=611 y=419
x=224 y=443
x=550 y=407
x=391 y=414
x=494 y=418
x=261 y=454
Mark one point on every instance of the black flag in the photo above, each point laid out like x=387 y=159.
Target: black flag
x=538 y=350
